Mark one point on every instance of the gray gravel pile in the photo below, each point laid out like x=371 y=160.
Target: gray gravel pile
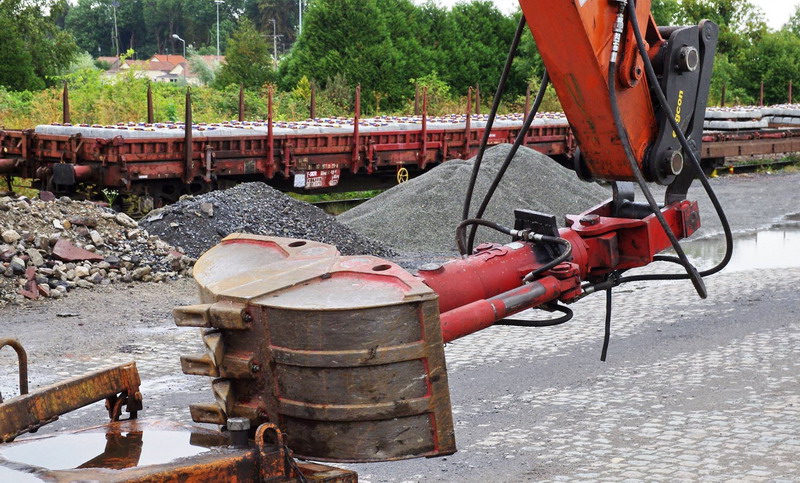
x=198 y=223
x=49 y=248
x=421 y=216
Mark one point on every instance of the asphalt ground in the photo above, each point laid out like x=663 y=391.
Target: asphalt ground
x=693 y=389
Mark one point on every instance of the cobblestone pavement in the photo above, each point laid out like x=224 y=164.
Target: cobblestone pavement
x=702 y=391
x=693 y=390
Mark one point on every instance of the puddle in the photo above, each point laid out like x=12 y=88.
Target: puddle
x=114 y=450
x=775 y=248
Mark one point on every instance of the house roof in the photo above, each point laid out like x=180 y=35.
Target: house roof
x=169 y=65
x=172 y=59
x=152 y=65
x=110 y=59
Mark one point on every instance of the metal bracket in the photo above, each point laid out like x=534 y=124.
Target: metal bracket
x=30 y=411
x=22 y=357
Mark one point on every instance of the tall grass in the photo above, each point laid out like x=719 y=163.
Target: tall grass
x=95 y=99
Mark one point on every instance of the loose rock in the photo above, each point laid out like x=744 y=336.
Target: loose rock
x=48 y=247
x=11 y=236
x=257 y=209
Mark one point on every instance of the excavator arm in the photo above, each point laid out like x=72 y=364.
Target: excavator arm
x=346 y=354
x=576 y=42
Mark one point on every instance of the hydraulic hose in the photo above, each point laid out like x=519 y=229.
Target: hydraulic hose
x=662 y=99
x=462 y=227
x=510 y=157
x=487 y=131
x=568 y=315
x=565 y=256
x=692 y=272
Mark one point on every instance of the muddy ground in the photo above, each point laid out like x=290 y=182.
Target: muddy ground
x=693 y=389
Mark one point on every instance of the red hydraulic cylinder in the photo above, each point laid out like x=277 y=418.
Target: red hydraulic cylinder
x=477 y=291
x=495 y=269
x=482 y=314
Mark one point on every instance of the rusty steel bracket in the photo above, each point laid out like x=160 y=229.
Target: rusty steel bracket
x=270 y=440
x=22 y=357
x=118 y=385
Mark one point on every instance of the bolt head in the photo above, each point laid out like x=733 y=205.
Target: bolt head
x=689 y=59
x=590 y=220
x=238 y=424
x=673 y=164
x=430 y=267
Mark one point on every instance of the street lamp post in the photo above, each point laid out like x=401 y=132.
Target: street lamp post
x=176 y=37
x=218 y=2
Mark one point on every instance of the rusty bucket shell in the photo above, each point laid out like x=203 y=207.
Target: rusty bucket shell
x=344 y=354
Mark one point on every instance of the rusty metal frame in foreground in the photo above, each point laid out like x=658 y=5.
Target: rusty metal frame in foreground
x=118 y=385
x=135 y=451
x=22 y=358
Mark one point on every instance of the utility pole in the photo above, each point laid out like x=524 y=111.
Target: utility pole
x=300 y=16
x=274 y=40
x=114 y=5
x=218 y=2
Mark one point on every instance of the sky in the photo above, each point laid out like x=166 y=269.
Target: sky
x=777 y=12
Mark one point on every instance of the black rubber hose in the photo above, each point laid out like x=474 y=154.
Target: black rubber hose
x=607 y=335
x=692 y=273
x=487 y=131
x=565 y=256
x=662 y=99
x=510 y=157
x=568 y=315
x=462 y=227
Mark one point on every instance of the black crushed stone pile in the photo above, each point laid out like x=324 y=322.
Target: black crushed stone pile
x=421 y=215
x=200 y=222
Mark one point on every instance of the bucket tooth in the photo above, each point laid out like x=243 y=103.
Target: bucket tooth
x=239 y=365
x=209 y=413
x=192 y=316
x=215 y=345
x=223 y=393
x=229 y=315
x=199 y=365
x=254 y=410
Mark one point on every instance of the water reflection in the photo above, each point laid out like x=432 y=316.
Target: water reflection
x=776 y=248
x=113 y=450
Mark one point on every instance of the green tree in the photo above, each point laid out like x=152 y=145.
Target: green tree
x=793 y=24
x=740 y=22
x=285 y=14
x=728 y=76
x=16 y=64
x=477 y=45
x=665 y=11
x=775 y=59
x=351 y=38
x=34 y=49
x=248 y=59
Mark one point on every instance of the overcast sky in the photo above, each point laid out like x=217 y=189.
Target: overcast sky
x=777 y=12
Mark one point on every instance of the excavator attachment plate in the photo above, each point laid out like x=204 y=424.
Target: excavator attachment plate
x=343 y=354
